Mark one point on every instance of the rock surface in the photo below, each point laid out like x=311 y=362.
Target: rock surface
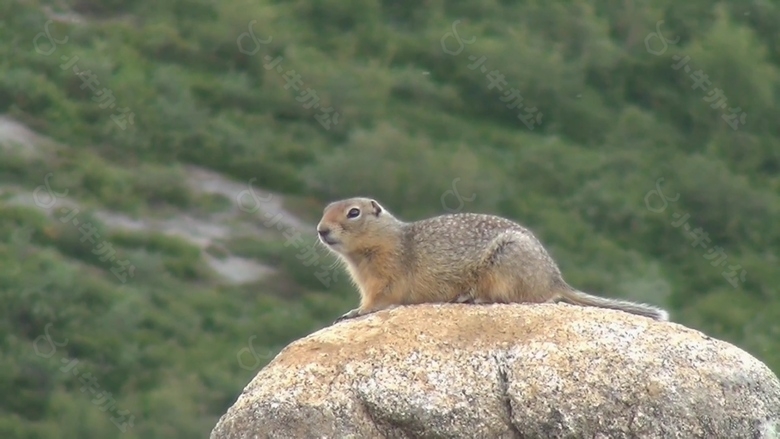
x=507 y=371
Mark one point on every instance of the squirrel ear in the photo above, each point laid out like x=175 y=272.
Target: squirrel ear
x=377 y=208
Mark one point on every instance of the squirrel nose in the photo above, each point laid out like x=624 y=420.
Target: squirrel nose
x=323 y=232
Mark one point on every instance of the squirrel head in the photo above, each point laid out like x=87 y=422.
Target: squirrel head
x=353 y=225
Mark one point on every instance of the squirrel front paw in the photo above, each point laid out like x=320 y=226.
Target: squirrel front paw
x=350 y=315
x=463 y=298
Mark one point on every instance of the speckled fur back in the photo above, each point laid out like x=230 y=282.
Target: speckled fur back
x=457 y=241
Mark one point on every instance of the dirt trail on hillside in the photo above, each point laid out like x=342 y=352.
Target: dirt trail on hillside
x=250 y=207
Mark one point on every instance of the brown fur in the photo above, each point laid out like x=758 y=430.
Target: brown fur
x=464 y=258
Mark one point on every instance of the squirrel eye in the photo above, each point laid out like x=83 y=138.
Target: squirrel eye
x=353 y=213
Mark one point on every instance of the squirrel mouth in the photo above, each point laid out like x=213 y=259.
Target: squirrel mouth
x=328 y=240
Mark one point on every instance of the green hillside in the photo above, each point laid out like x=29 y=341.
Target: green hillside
x=195 y=138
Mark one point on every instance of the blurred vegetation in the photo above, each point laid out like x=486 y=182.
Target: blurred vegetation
x=413 y=122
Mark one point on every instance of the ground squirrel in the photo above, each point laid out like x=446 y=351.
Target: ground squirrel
x=457 y=258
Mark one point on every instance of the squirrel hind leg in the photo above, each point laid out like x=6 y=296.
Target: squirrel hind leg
x=555 y=299
x=515 y=269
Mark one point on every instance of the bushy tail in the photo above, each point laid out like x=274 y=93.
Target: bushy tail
x=576 y=297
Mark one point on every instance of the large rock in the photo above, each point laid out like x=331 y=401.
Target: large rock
x=507 y=371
